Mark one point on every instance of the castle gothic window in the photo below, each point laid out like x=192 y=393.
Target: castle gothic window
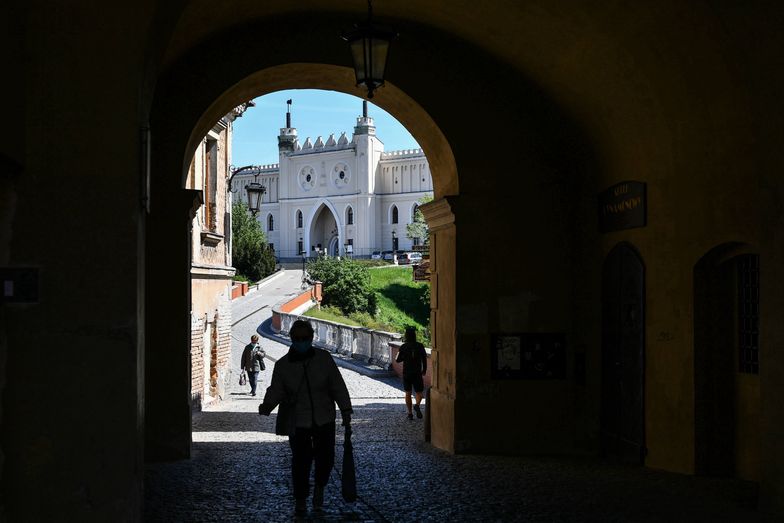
x=299 y=219
x=349 y=216
x=394 y=214
x=270 y=223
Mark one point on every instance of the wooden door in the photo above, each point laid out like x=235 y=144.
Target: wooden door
x=623 y=356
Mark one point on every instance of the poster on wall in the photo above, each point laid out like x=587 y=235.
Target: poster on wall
x=528 y=356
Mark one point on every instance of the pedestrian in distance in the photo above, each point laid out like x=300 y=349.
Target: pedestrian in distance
x=253 y=362
x=306 y=384
x=414 y=358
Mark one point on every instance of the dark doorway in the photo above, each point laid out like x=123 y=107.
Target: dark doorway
x=623 y=356
x=726 y=363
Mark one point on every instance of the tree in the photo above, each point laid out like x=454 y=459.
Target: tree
x=418 y=227
x=250 y=252
x=345 y=284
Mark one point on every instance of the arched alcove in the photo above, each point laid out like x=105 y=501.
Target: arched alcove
x=727 y=289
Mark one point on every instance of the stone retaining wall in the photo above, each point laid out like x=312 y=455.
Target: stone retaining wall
x=369 y=346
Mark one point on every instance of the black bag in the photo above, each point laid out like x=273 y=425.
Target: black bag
x=243 y=379
x=349 y=477
x=286 y=422
x=261 y=363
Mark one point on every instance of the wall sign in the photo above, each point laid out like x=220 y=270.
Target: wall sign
x=528 y=356
x=623 y=206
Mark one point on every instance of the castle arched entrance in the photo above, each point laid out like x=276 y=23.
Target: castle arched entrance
x=324 y=231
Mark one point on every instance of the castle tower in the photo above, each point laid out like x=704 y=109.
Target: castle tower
x=287 y=144
x=365 y=124
x=369 y=149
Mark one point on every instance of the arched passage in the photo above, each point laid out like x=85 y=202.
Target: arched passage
x=551 y=152
x=168 y=434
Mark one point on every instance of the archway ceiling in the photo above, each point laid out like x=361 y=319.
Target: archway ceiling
x=618 y=67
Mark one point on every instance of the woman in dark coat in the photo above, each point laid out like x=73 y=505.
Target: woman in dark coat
x=308 y=380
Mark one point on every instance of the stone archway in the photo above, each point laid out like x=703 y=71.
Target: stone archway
x=168 y=412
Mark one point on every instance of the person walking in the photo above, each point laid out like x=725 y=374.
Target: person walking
x=414 y=358
x=307 y=384
x=253 y=362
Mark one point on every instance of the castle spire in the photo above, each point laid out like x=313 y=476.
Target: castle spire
x=287 y=139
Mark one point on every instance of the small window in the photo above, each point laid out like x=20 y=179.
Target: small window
x=350 y=216
x=299 y=219
x=394 y=214
x=413 y=212
x=270 y=223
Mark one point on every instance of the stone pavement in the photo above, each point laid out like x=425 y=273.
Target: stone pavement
x=239 y=470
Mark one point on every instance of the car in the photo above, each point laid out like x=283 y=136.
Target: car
x=387 y=255
x=406 y=258
x=376 y=255
x=415 y=257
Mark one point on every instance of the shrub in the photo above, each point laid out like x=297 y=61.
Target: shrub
x=345 y=284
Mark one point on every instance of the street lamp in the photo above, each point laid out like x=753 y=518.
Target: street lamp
x=369 y=46
x=255 y=192
x=394 y=241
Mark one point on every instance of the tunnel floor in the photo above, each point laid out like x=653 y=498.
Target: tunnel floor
x=240 y=472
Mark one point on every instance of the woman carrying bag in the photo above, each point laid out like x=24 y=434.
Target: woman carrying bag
x=306 y=383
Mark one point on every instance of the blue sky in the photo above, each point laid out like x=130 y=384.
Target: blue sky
x=313 y=113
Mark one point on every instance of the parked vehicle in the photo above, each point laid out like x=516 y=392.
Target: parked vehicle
x=387 y=255
x=406 y=258
x=376 y=255
x=415 y=257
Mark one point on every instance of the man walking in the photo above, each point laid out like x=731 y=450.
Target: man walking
x=414 y=358
x=253 y=362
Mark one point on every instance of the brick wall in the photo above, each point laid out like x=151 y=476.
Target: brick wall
x=223 y=344
x=197 y=361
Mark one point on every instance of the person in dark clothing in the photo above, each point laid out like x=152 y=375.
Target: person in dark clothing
x=309 y=381
x=253 y=362
x=414 y=358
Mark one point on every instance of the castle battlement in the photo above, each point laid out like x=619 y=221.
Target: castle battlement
x=308 y=147
x=402 y=154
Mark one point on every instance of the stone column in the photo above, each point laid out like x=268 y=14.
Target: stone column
x=168 y=304
x=443 y=240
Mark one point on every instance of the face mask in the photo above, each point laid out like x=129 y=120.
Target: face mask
x=300 y=346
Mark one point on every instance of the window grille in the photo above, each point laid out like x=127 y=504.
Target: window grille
x=748 y=313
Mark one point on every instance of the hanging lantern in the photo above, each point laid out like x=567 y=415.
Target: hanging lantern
x=255 y=191
x=369 y=50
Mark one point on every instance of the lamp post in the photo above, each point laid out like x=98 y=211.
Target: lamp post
x=394 y=242
x=369 y=45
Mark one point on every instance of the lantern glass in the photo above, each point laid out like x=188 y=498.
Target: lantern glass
x=255 y=191
x=369 y=51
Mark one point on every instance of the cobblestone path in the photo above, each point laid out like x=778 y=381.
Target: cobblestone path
x=239 y=471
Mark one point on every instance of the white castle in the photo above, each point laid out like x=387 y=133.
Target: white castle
x=340 y=196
